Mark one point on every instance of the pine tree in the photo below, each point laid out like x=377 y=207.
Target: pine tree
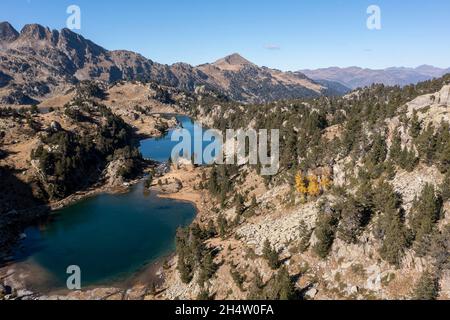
x=416 y=127
x=427 y=288
x=211 y=231
x=353 y=218
x=238 y=278
x=222 y=224
x=256 y=287
x=426 y=212
x=440 y=249
x=271 y=255
x=408 y=159
x=385 y=199
x=184 y=268
x=240 y=205
x=325 y=232
x=365 y=196
x=182 y=248
x=391 y=228
x=285 y=286
x=254 y=201
x=378 y=152
x=279 y=287
x=396 y=148
x=426 y=144
x=389 y=169
x=204 y=295
x=213 y=184
x=305 y=236
x=207 y=270
x=444 y=157
x=445 y=188
x=289 y=154
x=395 y=239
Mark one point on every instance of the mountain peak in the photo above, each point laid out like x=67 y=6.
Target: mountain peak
x=426 y=67
x=7 y=32
x=234 y=59
x=35 y=31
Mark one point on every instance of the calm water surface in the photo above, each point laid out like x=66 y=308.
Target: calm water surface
x=110 y=237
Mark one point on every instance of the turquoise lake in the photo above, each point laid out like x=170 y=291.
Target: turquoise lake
x=110 y=237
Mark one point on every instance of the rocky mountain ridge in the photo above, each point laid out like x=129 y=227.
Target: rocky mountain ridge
x=38 y=62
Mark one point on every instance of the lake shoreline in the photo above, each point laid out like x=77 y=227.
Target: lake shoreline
x=139 y=282
x=151 y=274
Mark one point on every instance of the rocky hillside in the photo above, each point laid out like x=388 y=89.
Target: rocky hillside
x=355 y=77
x=37 y=63
x=359 y=209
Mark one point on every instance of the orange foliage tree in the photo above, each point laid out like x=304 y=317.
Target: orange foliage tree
x=313 y=186
x=300 y=184
x=325 y=182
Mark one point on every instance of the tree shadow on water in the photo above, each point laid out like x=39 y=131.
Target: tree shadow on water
x=20 y=208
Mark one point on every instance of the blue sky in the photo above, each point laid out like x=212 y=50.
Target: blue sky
x=283 y=34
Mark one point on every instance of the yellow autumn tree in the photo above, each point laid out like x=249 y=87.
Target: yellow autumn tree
x=300 y=184
x=325 y=182
x=313 y=186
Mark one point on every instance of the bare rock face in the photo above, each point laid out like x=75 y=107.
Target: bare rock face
x=432 y=108
x=112 y=173
x=280 y=231
x=410 y=184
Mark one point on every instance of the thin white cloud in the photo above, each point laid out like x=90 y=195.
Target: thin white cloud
x=272 y=47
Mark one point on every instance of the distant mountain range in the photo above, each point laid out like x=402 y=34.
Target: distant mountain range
x=37 y=62
x=354 y=77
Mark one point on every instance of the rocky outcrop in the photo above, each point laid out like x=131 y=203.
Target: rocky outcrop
x=432 y=108
x=281 y=232
x=165 y=186
x=113 y=174
x=410 y=184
